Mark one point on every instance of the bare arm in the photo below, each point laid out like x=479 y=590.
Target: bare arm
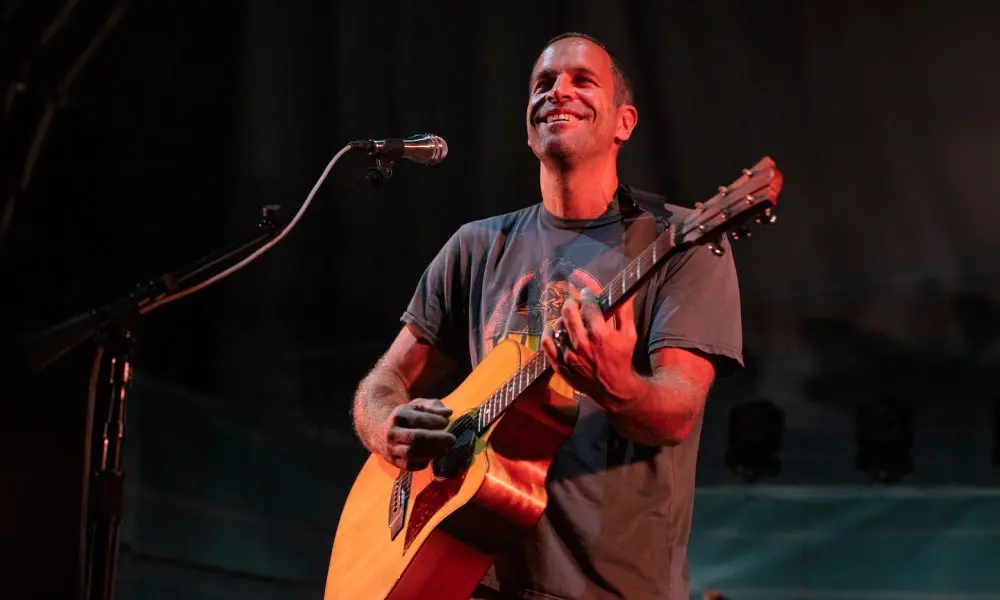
x=658 y=410
x=382 y=416
x=661 y=409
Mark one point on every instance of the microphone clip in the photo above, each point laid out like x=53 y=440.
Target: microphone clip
x=381 y=171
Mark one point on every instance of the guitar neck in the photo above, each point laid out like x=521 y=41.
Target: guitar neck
x=635 y=274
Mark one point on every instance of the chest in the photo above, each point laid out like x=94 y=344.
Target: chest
x=530 y=275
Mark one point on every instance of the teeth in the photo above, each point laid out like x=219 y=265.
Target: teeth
x=560 y=117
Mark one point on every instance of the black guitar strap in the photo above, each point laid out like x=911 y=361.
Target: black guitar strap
x=642 y=228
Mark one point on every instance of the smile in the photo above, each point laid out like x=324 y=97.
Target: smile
x=561 y=117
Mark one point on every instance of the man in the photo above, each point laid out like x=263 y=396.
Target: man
x=621 y=489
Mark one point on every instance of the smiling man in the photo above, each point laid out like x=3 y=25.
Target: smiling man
x=621 y=489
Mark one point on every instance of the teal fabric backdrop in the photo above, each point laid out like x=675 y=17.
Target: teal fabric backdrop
x=227 y=504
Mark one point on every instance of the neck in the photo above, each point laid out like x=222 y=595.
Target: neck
x=580 y=191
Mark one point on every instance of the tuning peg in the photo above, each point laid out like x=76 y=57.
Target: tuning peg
x=716 y=249
x=747 y=172
x=742 y=232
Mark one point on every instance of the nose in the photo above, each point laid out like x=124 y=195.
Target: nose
x=561 y=88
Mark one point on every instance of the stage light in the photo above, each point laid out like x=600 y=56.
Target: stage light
x=884 y=431
x=756 y=434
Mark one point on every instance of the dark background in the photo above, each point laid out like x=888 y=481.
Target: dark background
x=880 y=278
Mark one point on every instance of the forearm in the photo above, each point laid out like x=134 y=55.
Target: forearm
x=657 y=410
x=377 y=395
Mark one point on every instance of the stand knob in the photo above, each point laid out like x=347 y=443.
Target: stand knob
x=270 y=217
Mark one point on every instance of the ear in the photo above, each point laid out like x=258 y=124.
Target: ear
x=627 y=118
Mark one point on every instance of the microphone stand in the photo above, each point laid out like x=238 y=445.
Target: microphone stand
x=113 y=328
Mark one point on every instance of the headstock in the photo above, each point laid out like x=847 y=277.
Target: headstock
x=753 y=195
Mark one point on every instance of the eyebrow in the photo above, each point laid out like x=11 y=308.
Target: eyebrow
x=549 y=72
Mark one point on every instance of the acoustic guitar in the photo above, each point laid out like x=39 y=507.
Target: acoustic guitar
x=432 y=534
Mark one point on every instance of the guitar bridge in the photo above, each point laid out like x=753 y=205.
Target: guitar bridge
x=398 y=502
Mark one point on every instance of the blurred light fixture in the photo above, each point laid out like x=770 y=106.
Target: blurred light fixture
x=884 y=431
x=756 y=434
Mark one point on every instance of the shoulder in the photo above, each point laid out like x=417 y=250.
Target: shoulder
x=697 y=257
x=489 y=229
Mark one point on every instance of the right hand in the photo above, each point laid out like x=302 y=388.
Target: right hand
x=413 y=434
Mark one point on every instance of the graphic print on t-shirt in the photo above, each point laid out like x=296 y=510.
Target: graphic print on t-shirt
x=533 y=303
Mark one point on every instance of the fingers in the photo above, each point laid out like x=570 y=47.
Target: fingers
x=410 y=418
x=431 y=405
x=572 y=321
x=413 y=449
x=416 y=433
x=549 y=348
x=421 y=442
x=593 y=320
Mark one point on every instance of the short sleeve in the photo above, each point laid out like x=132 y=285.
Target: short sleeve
x=697 y=307
x=437 y=311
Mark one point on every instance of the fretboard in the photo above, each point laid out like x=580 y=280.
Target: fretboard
x=637 y=271
x=613 y=294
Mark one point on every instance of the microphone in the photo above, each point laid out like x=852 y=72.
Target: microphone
x=424 y=148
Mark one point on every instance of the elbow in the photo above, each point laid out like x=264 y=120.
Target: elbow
x=678 y=427
x=675 y=436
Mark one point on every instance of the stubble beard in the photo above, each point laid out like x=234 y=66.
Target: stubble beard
x=562 y=151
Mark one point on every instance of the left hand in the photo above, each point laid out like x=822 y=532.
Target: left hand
x=597 y=360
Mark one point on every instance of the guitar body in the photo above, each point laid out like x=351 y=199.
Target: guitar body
x=454 y=527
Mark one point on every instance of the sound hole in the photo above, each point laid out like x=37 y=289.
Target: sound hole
x=458 y=459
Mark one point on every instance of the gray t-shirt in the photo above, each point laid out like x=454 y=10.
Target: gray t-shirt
x=619 y=514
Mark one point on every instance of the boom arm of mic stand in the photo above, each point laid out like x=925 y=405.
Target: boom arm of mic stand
x=43 y=348
x=111 y=325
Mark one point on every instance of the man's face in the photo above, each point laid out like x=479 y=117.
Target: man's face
x=571 y=108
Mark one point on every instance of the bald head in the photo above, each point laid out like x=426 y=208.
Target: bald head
x=622 y=84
